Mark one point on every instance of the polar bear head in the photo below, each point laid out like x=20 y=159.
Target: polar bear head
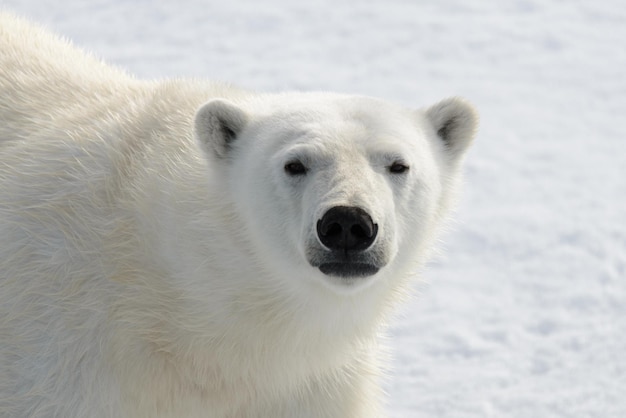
x=333 y=189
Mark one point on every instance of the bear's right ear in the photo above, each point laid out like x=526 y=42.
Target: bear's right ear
x=455 y=122
x=217 y=125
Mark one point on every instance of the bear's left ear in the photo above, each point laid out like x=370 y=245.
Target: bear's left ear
x=455 y=121
x=217 y=125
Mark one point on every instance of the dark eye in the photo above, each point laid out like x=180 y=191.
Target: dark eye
x=398 y=168
x=295 y=168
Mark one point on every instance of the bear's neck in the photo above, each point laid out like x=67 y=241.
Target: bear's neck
x=261 y=348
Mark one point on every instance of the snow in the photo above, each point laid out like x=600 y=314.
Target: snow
x=524 y=312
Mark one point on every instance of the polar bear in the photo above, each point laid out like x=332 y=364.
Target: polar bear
x=189 y=249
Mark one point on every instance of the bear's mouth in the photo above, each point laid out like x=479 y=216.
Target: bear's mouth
x=348 y=269
x=347 y=264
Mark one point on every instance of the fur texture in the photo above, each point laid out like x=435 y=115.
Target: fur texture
x=158 y=260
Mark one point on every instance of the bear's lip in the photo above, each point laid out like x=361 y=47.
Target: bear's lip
x=348 y=269
x=347 y=264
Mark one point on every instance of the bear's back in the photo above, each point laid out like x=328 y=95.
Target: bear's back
x=45 y=82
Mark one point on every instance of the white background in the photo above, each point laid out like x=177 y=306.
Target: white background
x=524 y=313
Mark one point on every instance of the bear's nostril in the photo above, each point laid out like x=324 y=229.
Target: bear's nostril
x=358 y=232
x=364 y=230
x=332 y=229
x=346 y=228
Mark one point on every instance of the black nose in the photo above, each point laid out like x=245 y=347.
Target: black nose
x=346 y=228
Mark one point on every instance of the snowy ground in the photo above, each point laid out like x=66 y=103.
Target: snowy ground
x=524 y=314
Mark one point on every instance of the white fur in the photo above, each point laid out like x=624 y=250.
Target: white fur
x=153 y=266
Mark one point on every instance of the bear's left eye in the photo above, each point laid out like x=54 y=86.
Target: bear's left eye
x=295 y=168
x=398 y=168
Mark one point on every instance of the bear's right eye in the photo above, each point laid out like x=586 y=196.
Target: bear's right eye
x=398 y=168
x=295 y=168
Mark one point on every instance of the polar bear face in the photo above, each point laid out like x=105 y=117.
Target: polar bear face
x=335 y=189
